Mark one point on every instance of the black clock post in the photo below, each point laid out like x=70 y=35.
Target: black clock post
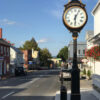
x=75 y=73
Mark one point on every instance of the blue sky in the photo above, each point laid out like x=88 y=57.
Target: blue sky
x=42 y=19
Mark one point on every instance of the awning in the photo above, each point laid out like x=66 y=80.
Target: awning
x=1 y=58
x=95 y=39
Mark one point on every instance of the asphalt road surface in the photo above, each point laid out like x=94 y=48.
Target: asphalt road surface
x=40 y=85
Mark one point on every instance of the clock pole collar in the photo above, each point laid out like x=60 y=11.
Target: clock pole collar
x=74 y=0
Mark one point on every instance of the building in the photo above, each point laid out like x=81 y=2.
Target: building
x=56 y=61
x=27 y=55
x=35 y=57
x=31 y=58
x=89 y=35
x=95 y=41
x=16 y=58
x=4 y=55
x=81 y=46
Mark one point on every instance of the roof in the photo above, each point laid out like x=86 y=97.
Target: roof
x=16 y=49
x=95 y=38
x=4 y=42
x=89 y=34
x=78 y=43
x=95 y=8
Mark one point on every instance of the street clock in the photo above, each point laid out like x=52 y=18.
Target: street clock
x=75 y=16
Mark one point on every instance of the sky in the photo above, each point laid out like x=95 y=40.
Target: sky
x=42 y=19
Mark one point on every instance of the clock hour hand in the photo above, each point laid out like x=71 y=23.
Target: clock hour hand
x=75 y=20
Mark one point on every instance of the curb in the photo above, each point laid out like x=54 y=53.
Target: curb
x=57 y=97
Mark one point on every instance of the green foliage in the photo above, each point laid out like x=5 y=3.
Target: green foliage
x=89 y=73
x=63 y=53
x=84 y=71
x=44 y=56
x=29 y=45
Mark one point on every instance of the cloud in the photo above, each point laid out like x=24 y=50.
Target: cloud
x=57 y=13
x=7 y=22
x=42 y=41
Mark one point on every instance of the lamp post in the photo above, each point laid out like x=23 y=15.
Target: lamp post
x=74 y=18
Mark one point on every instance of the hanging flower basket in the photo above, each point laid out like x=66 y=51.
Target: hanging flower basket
x=94 y=52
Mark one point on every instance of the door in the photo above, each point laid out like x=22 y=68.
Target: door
x=0 y=68
x=5 y=67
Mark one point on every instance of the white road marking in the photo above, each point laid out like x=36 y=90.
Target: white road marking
x=8 y=95
x=25 y=85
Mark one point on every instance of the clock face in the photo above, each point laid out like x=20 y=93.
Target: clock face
x=75 y=17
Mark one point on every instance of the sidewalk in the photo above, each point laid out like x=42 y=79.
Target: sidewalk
x=85 y=95
x=86 y=91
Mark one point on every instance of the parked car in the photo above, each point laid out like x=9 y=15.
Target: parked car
x=20 y=71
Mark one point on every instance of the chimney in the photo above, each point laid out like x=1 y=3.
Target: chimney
x=4 y=39
x=8 y=41
x=0 y=33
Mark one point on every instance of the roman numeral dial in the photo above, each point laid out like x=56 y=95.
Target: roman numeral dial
x=75 y=17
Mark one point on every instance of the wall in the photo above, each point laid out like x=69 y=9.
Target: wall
x=96 y=22
x=80 y=47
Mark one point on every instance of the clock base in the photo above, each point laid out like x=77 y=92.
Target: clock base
x=75 y=97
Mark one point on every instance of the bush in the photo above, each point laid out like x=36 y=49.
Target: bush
x=89 y=74
x=84 y=71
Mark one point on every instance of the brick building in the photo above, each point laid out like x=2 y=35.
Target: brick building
x=27 y=55
x=4 y=55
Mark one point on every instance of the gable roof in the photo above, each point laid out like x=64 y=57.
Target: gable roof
x=4 y=42
x=96 y=7
x=16 y=49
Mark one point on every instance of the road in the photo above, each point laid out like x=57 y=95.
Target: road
x=40 y=85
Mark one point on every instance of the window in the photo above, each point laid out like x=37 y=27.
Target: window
x=78 y=51
x=0 y=68
x=5 y=51
x=1 y=49
x=83 y=51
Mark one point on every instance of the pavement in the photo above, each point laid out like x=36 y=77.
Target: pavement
x=86 y=91
x=39 y=85
x=85 y=95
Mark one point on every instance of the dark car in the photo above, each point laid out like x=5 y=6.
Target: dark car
x=20 y=71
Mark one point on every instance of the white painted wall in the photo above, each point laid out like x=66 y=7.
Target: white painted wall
x=80 y=46
x=97 y=21
x=95 y=66
x=16 y=58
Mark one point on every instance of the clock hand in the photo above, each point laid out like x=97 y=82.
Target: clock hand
x=75 y=18
x=77 y=13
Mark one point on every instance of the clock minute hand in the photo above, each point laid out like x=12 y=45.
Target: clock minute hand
x=75 y=20
x=76 y=17
x=77 y=13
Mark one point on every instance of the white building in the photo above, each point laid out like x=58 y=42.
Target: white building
x=16 y=57
x=92 y=41
x=81 y=46
x=89 y=35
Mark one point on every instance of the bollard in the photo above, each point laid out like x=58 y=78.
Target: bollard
x=63 y=93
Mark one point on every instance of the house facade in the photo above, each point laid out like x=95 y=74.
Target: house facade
x=16 y=58
x=27 y=56
x=31 y=58
x=81 y=46
x=4 y=55
x=94 y=40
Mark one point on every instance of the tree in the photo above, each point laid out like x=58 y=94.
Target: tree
x=44 y=56
x=29 y=45
x=63 y=53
